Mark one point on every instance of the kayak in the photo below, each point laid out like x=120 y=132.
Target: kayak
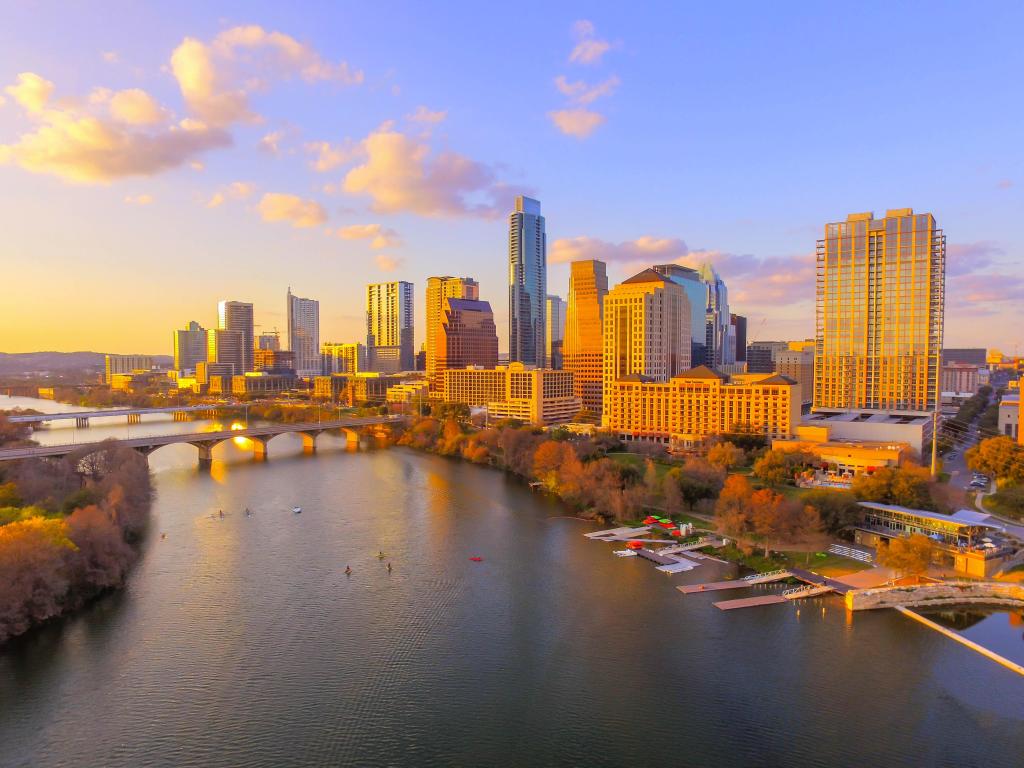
x=477 y=559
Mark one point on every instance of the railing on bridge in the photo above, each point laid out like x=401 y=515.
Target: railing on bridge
x=767 y=575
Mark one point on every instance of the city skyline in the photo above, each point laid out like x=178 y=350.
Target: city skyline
x=258 y=215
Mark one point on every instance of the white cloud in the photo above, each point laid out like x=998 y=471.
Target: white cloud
x=653 y=249
x=577 y=122
x=330 y=156
x=31 y=91
x=270 y=142
x=589 y=48
x=379 y=236
x=236 y=190
x=216 y=78
x=77 y=144
x=300 y=213
x=136 y=107
x=424 y=115
x=580 y=92
x=111 y=57
x=142 y=199
x=387 y=263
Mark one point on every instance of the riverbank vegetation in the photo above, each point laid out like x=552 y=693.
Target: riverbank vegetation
x=67 y=530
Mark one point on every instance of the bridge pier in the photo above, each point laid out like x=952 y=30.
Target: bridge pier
x=205 y=449
x=309 y=442
x=351 y=439
x=82 y=423
x=134 y=418
x=259 y=448
x=181 y=416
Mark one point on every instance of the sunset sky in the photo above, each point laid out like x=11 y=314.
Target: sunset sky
x=156 y=158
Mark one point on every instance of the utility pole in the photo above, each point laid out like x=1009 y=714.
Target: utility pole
x=935 y=443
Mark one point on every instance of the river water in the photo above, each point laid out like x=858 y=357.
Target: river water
x=240 y=641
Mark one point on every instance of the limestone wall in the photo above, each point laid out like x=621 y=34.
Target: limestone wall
x=947 y=593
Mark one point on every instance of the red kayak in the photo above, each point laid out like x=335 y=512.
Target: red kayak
x=477 y=559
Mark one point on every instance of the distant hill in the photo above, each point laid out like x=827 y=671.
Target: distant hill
x=30 y=362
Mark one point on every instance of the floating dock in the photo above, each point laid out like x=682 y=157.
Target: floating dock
x=618 y=534
x=748 y=602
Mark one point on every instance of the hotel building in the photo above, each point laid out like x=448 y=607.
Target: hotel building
x=466 y=336
x=539 y=396
x=693 y=405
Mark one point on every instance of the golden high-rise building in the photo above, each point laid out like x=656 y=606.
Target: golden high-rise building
x=439 y=289
x=879 y=311
x=646 y=330
x=583 y=345
x=466 y=336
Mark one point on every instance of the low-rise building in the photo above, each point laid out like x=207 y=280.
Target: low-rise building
x=967 y=541
x=261 y=383
x=115 y=364
x=911 y=427
x=696 y=404
x=534 y=395
x=840 y=461
x=410 y=392
x=959 y=377
x=1009 y=416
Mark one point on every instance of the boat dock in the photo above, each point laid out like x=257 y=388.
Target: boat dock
x=748 y=602
x=619 y=534
x=813 y=585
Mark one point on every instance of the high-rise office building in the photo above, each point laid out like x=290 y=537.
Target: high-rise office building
x=389 y=327
x=439 y=289
x=189 y=347
x=798 y=365
x=717 y=325
x=527 y=283
x=739 y=324
x=555 y=332
x=879 y=313
x=227 y=348
x=237 y=316
x=343 y=358
x=304 y=334
x=697 y=292
x=761 y=355
x=466 y=336
x=646 y=329
x=583 y=348
x=122 y=364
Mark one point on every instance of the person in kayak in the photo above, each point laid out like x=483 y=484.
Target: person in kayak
x=348 y=570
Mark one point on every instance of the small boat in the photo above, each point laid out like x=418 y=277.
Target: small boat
x=477 y=559
x=297 y=510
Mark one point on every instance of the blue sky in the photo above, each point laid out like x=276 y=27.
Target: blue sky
x=656 y=133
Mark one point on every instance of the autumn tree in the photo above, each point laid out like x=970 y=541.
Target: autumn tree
x=835 y=509
x=725 y=456
x=772 y=468
x=732 y=510
x=907 y=486
x=998 y=457
x=771 y=517
x=547 y=460
x=907 y=556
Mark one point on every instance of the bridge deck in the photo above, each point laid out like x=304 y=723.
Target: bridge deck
x=34 y=418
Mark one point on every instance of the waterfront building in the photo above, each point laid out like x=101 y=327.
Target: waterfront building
x=189 y=347
x=797 y=364
x=959 y=378
x=879 y=313
x=261 y=383
x=840 y=461
x=115 y=364
x=527 y=283
x=207 y=370
x=389 y=327
x=304 y=334
x=269 y=340
x=967 y=541
x=693 y=405
x=465 y=336
x=274 y=361
x=227 y=347
x=555 y=333
x=901 y=427
x=739 y=336
x=583 y=347
x=330 y=387
x=439 y=289
x=515 y=391
x=646 y=329
x=343 y=358
x=697 y=292
x=356 y=389
x=237 y=316
x=410 y=392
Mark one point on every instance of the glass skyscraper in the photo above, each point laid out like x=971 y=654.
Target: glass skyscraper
x=304 y=334
x=237 y=316
x=527 y=283
x=879 y=313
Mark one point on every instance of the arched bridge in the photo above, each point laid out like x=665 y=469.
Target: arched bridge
x=134 y=415
x=205 y=442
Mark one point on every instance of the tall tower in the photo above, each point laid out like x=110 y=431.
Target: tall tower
x=389 y=327
x=189 y=347
x=226 y=347
x=717 y=322
x=304 y=334
x=555 y=332
x=879 y=313
x=237 y=316
x=439 y=289
x=583 y=348
x=646 y=329
x=697 y=292
x=466 y=336
x=527 y=283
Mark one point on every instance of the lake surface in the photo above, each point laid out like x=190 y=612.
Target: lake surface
x=240 y=641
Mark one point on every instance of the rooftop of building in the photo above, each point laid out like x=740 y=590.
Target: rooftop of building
x=647 y=276
x=966 y=518
x=470 y=305
x=868 y=416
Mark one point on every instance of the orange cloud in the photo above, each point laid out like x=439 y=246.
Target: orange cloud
x=589 y=48
x=236 y=190
x=379 y=236
x=577 y=122
x=31 y=91
x=275 y=207
x=387 y=263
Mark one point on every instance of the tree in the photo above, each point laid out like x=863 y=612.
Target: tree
x=725 y=456
x=907 y=486
x=907 y=556
x=771 y=516
x=773 y=468
x=695 y=480
x=547 y=460
x=835 y=509
x=732 y=510
x=999 y=457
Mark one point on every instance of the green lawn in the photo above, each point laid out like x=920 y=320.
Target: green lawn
x=636 y=460
x=826 y=565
